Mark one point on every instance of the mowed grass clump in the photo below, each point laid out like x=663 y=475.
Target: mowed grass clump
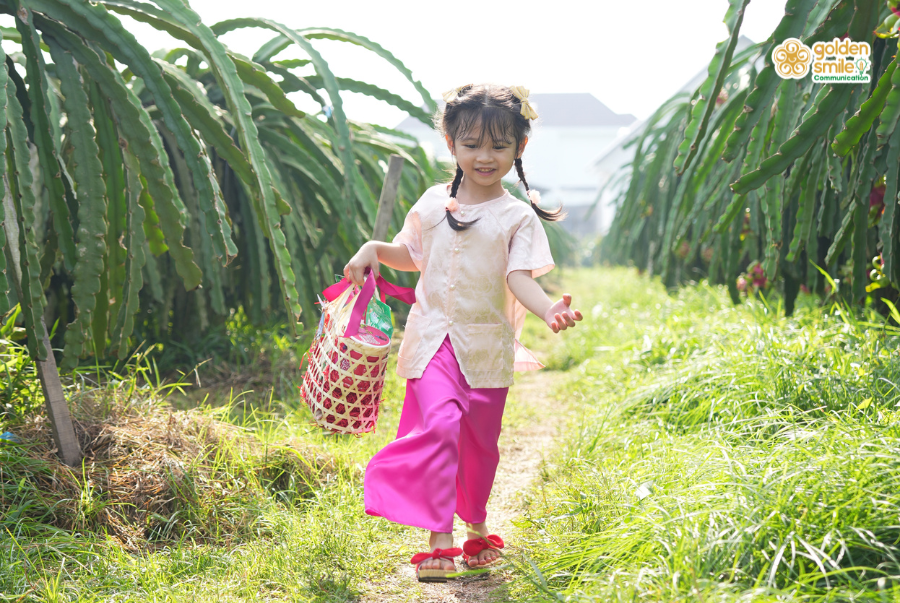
x=725 y=453
x=150 y=474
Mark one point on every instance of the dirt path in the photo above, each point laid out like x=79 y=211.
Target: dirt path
x=532 y=422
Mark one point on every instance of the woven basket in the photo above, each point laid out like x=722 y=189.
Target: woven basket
x=348 y=360
x=344 y=383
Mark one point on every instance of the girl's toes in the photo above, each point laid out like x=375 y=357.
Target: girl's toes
x=487 y=557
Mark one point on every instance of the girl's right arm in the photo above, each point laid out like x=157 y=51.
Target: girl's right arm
x=373 y=253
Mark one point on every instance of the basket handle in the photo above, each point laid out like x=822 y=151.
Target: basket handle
x=359 y=308
x=404 y=294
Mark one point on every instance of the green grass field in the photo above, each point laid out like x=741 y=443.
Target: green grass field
x=720 y=454
x=723 y=453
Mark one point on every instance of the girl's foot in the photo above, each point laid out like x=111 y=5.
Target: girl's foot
x=485 y=557
x=439 y=540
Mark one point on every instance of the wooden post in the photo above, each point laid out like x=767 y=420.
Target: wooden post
x=60 y=420
x=388 y=196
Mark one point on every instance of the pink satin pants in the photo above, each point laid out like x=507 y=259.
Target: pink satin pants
x=445 y=455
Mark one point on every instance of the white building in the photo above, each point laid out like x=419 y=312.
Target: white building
x=572 y=130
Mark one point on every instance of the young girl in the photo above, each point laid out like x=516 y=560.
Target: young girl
x=478 y=250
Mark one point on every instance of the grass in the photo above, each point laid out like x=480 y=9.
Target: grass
x=234 y=499
x=190 y=493
x=724 y=454
x=720 y=454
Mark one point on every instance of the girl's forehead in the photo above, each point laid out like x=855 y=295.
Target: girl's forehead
x=480 y=131
x=483 y=138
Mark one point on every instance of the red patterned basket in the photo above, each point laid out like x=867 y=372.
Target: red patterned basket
x=348 y=360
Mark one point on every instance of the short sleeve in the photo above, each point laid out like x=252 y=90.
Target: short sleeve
x=529 y=248
x=411 y=236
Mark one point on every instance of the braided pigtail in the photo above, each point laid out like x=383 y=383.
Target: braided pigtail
x=457 y=180
x=455 y=224
x=535 y=198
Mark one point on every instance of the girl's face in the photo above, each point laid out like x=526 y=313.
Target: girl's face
x=486 y=163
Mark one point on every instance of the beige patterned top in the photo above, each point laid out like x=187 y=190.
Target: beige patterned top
x=462 y=287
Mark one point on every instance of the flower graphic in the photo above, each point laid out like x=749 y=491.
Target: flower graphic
x=792 y=58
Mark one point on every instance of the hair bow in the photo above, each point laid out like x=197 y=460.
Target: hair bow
x=450 y=95
x=521 y=93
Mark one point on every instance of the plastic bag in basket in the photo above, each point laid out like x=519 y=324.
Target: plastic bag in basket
x=347 y=360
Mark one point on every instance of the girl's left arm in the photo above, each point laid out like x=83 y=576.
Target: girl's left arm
x=558 y=316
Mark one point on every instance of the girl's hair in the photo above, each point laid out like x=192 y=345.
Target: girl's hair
x=498 y=114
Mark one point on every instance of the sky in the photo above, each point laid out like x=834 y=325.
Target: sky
x=630 y=55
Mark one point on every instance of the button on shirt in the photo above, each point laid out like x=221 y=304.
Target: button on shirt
x=462 y=288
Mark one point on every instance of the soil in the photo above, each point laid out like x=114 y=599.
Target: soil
x=528 y=437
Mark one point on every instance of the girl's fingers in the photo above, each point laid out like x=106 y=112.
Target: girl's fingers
x=578 y=315
x=560 y=321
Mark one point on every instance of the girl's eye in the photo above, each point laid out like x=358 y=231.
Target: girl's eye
x=470 y=146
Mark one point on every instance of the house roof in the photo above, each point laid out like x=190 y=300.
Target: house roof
x=579 y=109
x=576 y=109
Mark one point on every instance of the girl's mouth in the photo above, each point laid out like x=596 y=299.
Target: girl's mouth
x=485 y=171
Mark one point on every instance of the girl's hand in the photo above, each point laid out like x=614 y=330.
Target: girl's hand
x=560 y=316
x=366 y=257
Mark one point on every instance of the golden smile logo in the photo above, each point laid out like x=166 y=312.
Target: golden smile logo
x=835 y=62
x=792 y=58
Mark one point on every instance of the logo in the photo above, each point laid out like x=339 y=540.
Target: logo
x=792 y=58
x=835 y=62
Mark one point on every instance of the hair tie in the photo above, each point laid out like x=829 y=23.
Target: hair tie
x=450 y=95
x=452 y=204
x=521 y=93
x=534 y=196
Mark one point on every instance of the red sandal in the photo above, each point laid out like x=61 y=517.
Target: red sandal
x=473 y=546
x=434 y=575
